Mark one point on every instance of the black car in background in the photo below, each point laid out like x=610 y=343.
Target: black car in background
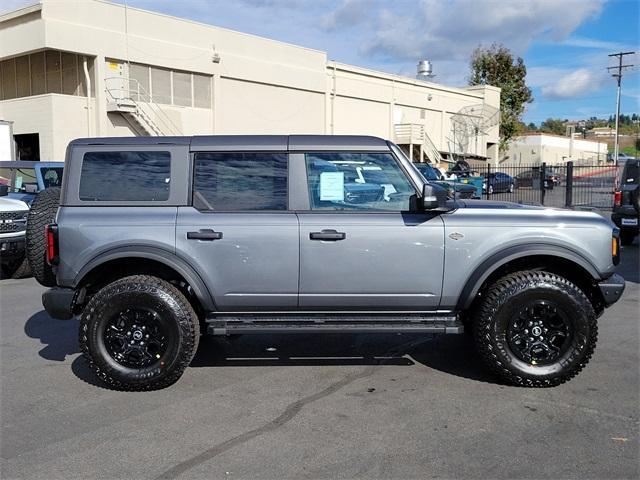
x=531 y=179
x=454 y=189
x=497 y=182
x=626 y=210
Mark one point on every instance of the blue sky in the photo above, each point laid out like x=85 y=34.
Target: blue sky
x=564 y=42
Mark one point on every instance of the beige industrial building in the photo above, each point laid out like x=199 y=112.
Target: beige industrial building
x=536 y=148
x=74 y=69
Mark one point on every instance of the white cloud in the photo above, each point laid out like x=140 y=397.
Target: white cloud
x=437 y=30
x=572 y=84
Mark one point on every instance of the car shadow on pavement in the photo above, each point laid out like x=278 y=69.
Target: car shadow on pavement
x=59 y=337
x=451 y=354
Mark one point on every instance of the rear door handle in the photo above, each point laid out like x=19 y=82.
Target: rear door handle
x=204 y=234
x=330 y=235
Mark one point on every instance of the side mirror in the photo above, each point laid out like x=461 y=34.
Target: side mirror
x=433 y=196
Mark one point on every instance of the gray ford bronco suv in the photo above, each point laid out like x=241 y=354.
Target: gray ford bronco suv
x=152 y=241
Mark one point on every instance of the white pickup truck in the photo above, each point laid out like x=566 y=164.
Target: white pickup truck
x=13 y=225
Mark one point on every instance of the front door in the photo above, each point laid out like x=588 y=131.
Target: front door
x=360 y=245
x=238 y=234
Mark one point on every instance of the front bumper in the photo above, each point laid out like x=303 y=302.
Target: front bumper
x=611 y=289
x=59 y=302
x=12 y=248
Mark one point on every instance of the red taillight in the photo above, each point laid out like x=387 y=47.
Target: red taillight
x=617 y=198
x=51 y=234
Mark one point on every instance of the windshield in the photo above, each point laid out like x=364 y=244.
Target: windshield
x=24 y=180
x=427 y=170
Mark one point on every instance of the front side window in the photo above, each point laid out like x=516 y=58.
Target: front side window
x=357 y=181
x=125 y=176
x=233 y=181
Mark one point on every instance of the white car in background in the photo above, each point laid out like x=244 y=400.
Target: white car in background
x=13 y=226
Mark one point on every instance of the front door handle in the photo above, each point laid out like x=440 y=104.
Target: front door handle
x=330 y=235
x=204 y=234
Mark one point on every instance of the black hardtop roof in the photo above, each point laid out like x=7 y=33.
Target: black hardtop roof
x=248 y=142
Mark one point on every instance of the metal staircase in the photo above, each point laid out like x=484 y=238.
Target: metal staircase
x=127 y=97
x=415 y=135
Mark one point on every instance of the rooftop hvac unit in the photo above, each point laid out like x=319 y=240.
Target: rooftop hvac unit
x=425 y=70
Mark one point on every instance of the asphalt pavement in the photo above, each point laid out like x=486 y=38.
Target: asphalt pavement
x=318 y=407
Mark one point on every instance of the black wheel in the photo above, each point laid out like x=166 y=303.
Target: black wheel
x=511 y=188
x=490 y=189
x=535 y=329
x=43 y=212
x=139 y=333
x=627 y=236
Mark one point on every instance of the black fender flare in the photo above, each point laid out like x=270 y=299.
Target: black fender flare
x=159 y=255
x=495 y=261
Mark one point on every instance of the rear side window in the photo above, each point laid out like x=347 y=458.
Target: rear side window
x=125 y=176
x=233 y=181
x=631 y=172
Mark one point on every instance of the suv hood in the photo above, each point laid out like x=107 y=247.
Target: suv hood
x=12 y=205
x=491 y=204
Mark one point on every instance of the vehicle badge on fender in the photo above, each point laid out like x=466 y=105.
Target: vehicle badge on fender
x=456 y=236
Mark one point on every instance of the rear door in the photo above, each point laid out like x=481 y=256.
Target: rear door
x=239 y=233
x=367 y=251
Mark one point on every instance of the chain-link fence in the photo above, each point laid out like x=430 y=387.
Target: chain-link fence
x=568 y=185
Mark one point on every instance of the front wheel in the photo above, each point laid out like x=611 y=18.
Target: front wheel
x=535 y=329
x=511 y=188
x=139 y=333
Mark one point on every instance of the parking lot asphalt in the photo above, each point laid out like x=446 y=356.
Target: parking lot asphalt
x=324 y=406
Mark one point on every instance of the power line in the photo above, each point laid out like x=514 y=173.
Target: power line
x=618 y=76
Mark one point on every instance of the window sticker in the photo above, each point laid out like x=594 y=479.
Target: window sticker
x=332 y=186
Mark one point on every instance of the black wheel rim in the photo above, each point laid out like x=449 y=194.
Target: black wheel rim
x=540 y=333
x=135 y=338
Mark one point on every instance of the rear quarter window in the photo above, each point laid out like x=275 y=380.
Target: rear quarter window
x=134 y=176
x=631 y=172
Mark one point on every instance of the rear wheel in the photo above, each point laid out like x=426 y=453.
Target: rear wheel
x=42 y=213
x=535 y=329
x=511 y=188
x=139 y=333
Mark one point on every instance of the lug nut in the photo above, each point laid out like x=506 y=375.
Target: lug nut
x=132 y=342
x=526 y=331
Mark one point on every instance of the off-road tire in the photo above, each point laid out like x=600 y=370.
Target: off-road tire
x=627 y=236
x=43 y=212
x=504 y=299
x=141 y=291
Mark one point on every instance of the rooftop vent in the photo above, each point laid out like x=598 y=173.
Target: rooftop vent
x=425 y=71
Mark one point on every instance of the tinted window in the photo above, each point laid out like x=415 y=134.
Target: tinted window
x=357 y=181
x=631 y=172
x=125 y=176
x=52 y=177
x=240 y=181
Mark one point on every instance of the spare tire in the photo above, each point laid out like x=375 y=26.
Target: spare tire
x=43 y=212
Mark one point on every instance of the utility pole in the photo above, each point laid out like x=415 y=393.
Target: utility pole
x=618 y=77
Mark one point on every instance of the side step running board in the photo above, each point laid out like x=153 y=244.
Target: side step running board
x=220 y=324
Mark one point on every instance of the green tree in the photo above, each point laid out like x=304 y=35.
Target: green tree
x=497 y=66
x=553 y=125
